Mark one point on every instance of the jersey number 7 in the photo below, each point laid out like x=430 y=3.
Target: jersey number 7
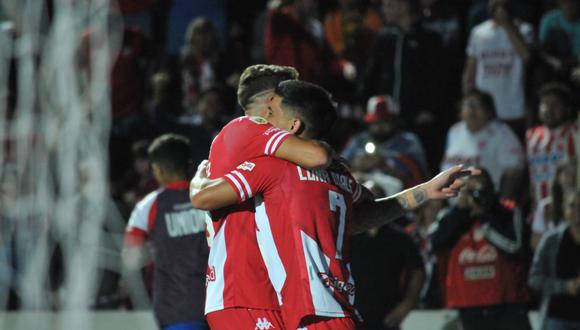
x=338 y=205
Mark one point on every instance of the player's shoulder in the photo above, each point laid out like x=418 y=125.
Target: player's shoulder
x=339 y=166
x=262 y=163
x=144 y=206
x=149 y=199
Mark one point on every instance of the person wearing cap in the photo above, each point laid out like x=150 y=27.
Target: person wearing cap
x=385 y=148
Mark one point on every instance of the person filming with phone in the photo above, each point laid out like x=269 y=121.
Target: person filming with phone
x=480 y=237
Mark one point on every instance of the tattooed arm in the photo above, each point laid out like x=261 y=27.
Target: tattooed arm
x=373 y=213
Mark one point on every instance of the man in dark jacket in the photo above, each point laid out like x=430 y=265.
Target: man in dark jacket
x=485 y=273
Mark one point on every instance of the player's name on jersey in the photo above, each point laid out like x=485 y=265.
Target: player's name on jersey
x=343 y=181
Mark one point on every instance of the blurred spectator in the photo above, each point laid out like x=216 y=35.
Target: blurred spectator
x=213 y=112
x=439 y=16
x=350 y=30
x=485 y=272
x=175 y=237
x=481 y=140
x=555 y=271
x=431 y=295
x=442 y=18
x=295 y=37
x=182 y=12
x=404 y=60
x=138 y=180
x=164 y=106
x=388 y=270
x=552 y=142
x=498 y=51
x=408 y=58
x=202 y=62
x=560 y=37
x=385 y=147
x=549 y=213
x=259 y=32
x=127 y=79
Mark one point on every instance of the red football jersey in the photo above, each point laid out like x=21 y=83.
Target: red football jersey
x=308 y=213
x=237 y=276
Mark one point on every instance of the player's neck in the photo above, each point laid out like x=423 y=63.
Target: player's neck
x=171 y=178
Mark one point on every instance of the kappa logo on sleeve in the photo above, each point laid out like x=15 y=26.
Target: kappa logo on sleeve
x=246 y=166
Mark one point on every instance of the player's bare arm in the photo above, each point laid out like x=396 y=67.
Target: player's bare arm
x=216 y=195
x=369 y=214
x=208 y=194
x=310 y=154
x=133 y=257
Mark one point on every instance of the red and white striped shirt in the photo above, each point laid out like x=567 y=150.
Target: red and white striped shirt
x=546 y=149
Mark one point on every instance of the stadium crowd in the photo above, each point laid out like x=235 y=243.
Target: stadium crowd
x=420 y=86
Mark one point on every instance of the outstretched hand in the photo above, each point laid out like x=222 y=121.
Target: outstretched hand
x=447 y=183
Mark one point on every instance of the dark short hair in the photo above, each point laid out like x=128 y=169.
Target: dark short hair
x=310 y=103
x=171 y=151
x=485 y=99
x=261 y=77
x=559 y=89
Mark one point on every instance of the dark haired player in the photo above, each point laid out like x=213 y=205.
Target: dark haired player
x=175 y=236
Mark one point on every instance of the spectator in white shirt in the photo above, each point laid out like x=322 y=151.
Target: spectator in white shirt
x=497 y=52
x=481 y=140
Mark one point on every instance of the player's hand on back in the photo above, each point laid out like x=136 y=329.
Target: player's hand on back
x=199 y=179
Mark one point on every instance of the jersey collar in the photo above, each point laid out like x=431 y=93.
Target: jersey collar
x=177 y=185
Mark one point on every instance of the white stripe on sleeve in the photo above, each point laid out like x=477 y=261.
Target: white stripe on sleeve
x=238 y=186
x=245 y=182
x=275 y=145
x=267 y=150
